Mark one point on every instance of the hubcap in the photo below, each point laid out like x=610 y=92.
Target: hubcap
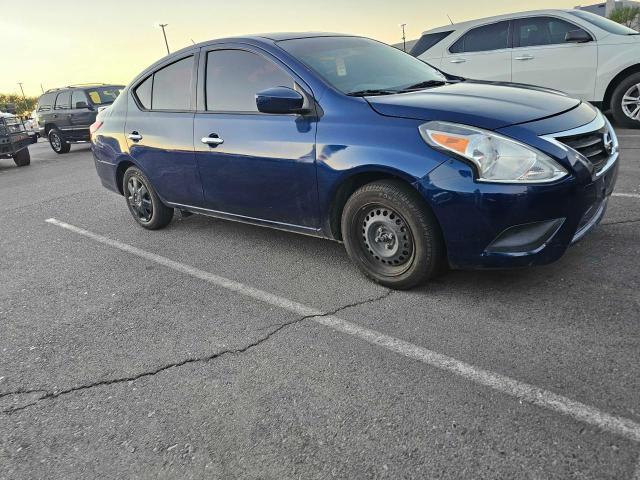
x=631 y=103
x=139 y=199
x=386 y=237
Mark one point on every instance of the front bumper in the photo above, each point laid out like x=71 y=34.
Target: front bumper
x=505 y=225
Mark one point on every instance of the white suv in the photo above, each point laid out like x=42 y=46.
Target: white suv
x=577 y=52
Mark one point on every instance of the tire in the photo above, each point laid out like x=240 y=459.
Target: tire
x=57 y=142
x=22 y=158
x=143 y=202
x=391 y=235
x=629 y=88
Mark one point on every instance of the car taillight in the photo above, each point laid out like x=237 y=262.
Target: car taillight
x=95 y=126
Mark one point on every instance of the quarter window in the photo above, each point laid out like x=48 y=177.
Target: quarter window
x=235 y=76
x=46 y=102
x=483 y=39
x=168 y=88
x=77 y=97
x=428 y=41
x=531 y=32
x=63 y=100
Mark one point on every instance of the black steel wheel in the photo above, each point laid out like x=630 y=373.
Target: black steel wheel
x=57 y=142
x=391 y=234
x=143 y=201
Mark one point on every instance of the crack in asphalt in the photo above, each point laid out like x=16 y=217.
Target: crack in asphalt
x=55 y=394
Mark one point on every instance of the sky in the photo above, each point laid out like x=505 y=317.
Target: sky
x=110 y=41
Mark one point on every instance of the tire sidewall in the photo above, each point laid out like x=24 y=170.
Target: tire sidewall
x=616 y=102
x=64 y=147
x=22 y=158
x=426 y=255
x=161 y=214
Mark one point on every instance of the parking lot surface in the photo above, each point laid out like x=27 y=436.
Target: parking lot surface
x=214 y=349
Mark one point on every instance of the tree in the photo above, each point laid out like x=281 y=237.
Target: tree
x=627 y=16
x=23 y=106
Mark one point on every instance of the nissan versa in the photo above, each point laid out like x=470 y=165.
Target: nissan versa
x=350 y=139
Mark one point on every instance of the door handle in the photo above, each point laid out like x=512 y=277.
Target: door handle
x=524 y=57
x=458 y=60
x=134 y=136
x=212 y=140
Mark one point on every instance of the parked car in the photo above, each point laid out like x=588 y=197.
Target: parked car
x=353 y=140
x=578 y=52
x=65 y=114
x=14 y=140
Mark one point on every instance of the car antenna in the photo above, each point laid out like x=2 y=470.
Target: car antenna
x=449 y=18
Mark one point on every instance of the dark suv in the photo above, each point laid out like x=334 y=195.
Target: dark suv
x=65 y=114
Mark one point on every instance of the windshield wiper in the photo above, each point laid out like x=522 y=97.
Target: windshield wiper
x=371 y=92
x=422 y=85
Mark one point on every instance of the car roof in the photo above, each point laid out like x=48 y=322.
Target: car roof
x=495 y=18
x=269 y=37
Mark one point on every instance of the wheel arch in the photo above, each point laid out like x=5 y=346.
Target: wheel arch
x=606 y=102
x=123 y=166
x=48 y=127
x=354 y=181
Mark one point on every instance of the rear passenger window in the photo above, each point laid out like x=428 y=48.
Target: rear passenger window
x=63 y=100
x=483 y=39
x=428 y=41
x=78 y=96
x=143 y=92
x=235 y=76
x=172 y=86
x=46 y=102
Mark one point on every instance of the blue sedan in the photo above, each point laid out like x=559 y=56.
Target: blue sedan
x=350 y=139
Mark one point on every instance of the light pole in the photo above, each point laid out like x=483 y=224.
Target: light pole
x=22 y=90
x=404 y=38
x=164 y=34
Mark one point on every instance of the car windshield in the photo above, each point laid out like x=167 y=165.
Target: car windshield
x=604 y=23
x=104 y=95
x=360 y=66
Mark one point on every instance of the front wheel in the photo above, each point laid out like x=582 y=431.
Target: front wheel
x=625 y=102
x=143 y=201
x=57 y=142
x=391 y=235
x=22 y=158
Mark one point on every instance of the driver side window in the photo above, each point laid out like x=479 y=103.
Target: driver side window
x=235 y=76
x=536 y=31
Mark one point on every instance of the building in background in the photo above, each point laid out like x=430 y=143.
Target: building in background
x=605 y=9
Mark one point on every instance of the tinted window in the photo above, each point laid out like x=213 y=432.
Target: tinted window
x=542 y=31
x=143 y=92
x=46 y=102
x=427 y=41
x=353 y=64
x=235 y=76
x=104 y=95
x=172 y=86
x=76 y=97
x=63 y=100
x=603 y=23
x=483 y=39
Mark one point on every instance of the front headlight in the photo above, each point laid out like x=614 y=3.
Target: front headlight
x=497 y=158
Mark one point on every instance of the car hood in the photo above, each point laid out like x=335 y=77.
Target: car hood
x=480 y=104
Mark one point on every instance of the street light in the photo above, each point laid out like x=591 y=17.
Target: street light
x=404 y=38
x=164 y=34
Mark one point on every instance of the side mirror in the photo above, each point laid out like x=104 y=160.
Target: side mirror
x=80 y=105
x=577 y=36
x=280 y=100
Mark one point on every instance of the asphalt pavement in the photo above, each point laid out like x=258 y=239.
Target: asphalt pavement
x=214 y=349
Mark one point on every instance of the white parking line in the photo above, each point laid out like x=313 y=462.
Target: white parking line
x=537 y=396
x=628 y=195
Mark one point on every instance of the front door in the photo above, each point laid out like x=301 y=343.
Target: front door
x=541 y=56
x=263 y=165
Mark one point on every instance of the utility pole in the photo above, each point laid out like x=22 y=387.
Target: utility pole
x=164 y=34
x=42 y=88
x=22 y=90
x=404 y=38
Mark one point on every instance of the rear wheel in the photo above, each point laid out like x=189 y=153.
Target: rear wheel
x=22 y=158
x=57 y=142
x=391 y=235
x=625 y=102
x=143 y=201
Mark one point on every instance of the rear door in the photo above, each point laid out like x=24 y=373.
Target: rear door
x=542 y=57
x=265 y=167
x=483 y=53
x=61 y=117
x=81 y=116
x=159 y=130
